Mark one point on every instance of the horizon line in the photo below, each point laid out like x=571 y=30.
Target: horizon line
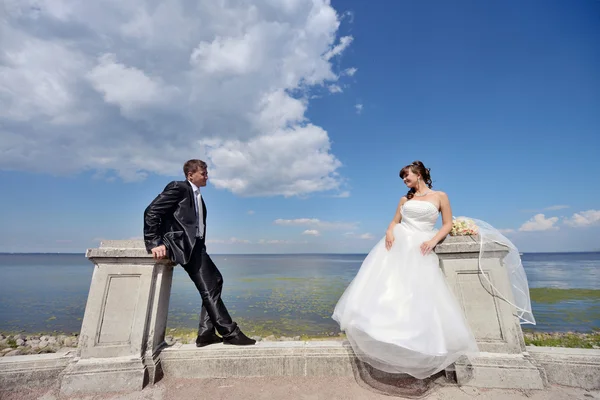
x=290 y=253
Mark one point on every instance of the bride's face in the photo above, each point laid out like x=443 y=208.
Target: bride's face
x=410 y=179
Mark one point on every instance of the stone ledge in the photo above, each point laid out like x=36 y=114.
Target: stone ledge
x=128 y=251
x=564 y=366
x=569 y=367
x=500 y=371
x=459 y=245
x=310 y=358
x=102 y=375
x=33 y=370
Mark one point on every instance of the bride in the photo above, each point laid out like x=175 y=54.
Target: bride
x=398 y=313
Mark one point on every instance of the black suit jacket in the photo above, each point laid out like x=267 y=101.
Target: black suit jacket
x=171 y=219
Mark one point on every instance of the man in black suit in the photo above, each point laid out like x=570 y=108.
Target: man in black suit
x=175 y=227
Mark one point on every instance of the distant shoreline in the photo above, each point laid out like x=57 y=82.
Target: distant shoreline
x=289 y=254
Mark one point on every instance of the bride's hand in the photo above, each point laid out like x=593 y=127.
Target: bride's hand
x=389 y=239
x=427 y=246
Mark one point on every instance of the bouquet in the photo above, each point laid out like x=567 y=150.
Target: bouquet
x=464 y=227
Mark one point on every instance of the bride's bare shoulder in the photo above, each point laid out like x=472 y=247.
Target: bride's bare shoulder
x=440 y=195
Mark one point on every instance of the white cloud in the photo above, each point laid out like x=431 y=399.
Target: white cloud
x=584 y=219
x=358 y=108
x=131 y=88
x=312 y=232
x=550 y=208
x=315 y=223
x=539 y=223
x=505 y=231
x=365 y=236
x=274 y=241
x=277 y=164
x=339 y=48
x=335 y=89
x=350 y=71
x=557 y=207
x=232 y=240
x=127 y=87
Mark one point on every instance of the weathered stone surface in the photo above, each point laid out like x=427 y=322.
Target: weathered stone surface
x=98 y=375
x=569 y=367
x=287 y=358
x=124 y=322
x=32 y=370
x=503 y=371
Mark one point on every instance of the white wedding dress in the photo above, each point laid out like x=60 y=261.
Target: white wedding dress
x=398 y=313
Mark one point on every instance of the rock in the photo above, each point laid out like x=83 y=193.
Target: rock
x=2 y=337
x=3 y=352
x=285 y=339
x=44 y=338
x=47 y=350
x=296 y=338
x=257 y=338
x=11 y=353
x=270 y=338
x=169 y=340
x=52 y=340
x=19 y=336
x=20 y=342
x=69 y=342
x=43 y=344
x=4 y=341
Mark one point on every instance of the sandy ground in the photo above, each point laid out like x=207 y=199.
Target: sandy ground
x=305 y=388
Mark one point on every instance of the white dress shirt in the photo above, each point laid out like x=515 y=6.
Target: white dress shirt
x=199 y=210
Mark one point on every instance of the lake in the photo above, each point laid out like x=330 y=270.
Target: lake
x=266 y=294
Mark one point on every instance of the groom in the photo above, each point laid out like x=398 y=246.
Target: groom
x=175 y=226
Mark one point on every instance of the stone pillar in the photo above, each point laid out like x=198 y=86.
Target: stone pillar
x=503 y=361
x=125 y=319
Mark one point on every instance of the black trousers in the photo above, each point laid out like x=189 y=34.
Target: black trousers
x=209 y=282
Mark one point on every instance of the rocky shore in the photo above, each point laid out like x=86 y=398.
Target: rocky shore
x=23 y=344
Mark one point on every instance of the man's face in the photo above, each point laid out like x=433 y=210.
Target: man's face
x=199 y=177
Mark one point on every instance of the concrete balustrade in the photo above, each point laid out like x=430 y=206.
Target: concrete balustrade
x=122 y=345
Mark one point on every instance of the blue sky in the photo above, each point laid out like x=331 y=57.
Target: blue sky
x=305 y=112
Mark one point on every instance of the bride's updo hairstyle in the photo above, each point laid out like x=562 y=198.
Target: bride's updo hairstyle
x=417 y=168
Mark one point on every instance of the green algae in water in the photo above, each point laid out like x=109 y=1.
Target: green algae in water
x=552 y=295
x=570 y=339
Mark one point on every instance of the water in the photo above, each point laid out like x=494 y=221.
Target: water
x=281 y=294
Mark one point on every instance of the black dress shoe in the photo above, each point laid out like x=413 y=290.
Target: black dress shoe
x=239 y=340
x=202 y=341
